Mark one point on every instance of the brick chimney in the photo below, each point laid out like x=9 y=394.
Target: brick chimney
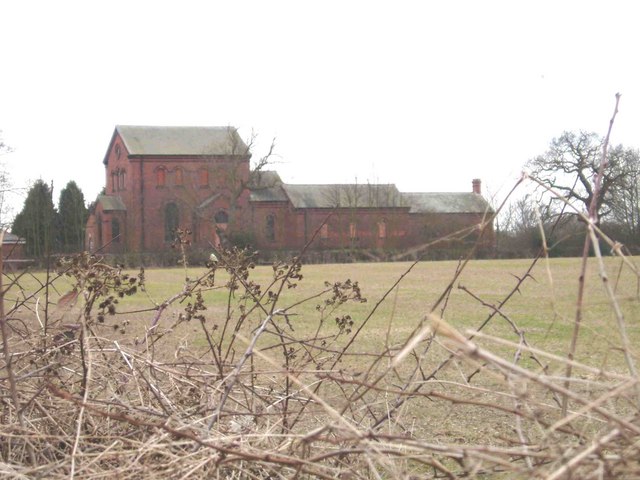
x=477 y=186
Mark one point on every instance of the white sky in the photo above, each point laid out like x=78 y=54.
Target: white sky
x=423 y=94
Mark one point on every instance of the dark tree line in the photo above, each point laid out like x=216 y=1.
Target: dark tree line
x=47 y=230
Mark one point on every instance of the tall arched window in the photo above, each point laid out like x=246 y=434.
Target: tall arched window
x=121 y=180
x=271 y=228
x=171 y=221
x=115 y=230
x=178 y=177
x=203 y=177
x=161 y=177
x=382 y=229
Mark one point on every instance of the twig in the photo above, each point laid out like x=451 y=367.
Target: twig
x=593 y=220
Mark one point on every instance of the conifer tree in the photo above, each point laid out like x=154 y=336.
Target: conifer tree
x=35 y=223
x=72 y=217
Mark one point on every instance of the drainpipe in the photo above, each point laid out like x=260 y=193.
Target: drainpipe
x=142 y=242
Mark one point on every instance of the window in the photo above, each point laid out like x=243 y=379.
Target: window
x=121 y=180
x=170 y=221
x=114 y=181
x=118 y=152
x=221 y=218
x=161 y=177
x=271 y=228
x=352 y=231
x=324 y=231
x=203 y=177
x=382 y=229
x=178 y=177
x=115 y=230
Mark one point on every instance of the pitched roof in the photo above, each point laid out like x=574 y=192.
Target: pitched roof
x=264 y=179
x=111 y=203
x=441 y=202
x=268 y=194
x=11 y=238
x=266 y=186
x=344 y=195
x=147 y=140
x=369 y=196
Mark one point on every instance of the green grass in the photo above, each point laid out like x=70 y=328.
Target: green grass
x=544 y=307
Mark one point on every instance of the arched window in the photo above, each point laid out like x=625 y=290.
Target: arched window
x=114 y=181
x=115 y=230
x=161 y=177
x=203 y=177
x=353 y=231
x=171 y=221
x=324 y=231
x=271 y=228
x=121 y=180
x=221 y=218
x=178 y=179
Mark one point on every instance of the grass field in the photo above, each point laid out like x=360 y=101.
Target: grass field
x=310 y=372
x=544 y=306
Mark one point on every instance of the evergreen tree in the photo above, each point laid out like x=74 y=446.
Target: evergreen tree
x=35 y=222
x=72 y=217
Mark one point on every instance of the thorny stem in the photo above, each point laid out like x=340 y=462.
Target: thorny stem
x=593 y=220
x=8 y=357
x=233 y=376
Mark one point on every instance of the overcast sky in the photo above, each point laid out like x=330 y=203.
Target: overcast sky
x=423 y=94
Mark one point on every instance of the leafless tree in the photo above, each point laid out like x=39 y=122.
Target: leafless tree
x=229 y=180
x=5 y=186
x=570 y=167
x=354 y=195
x=625 y=206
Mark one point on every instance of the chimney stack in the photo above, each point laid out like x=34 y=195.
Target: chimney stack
x=477 y=186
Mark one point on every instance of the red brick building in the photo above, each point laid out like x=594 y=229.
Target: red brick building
x=199 y=178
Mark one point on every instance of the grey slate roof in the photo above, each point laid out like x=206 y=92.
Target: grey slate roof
x=266 y=186
x=369 y=196
x=111 y=203
x=269 y=194
x=344 y=196
x=441 y=202
x=12 y=238
x=264 y=179
x=146 y=140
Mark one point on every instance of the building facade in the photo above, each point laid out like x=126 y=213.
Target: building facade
x=160 y=179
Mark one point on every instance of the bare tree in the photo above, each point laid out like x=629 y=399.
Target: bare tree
x=571 y=164
x=520 y=224
x=230 y=179
x=625 y=206
x=5 y=186
x=354 y=195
